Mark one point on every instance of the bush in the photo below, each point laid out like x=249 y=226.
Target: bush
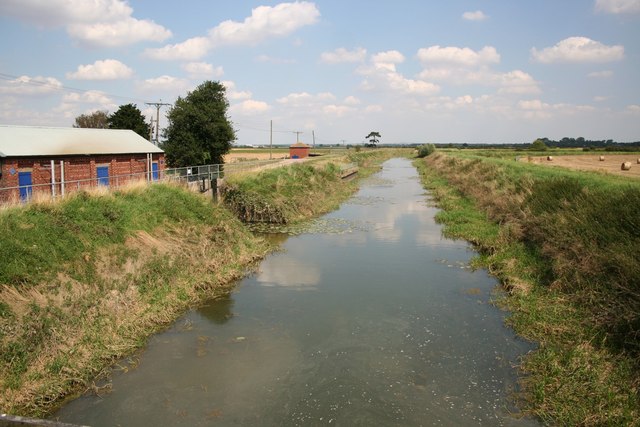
x=425 y=150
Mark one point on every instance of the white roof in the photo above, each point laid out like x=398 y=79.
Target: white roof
x=18 y=141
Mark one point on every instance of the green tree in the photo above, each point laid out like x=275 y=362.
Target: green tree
x=199 y=131
x=374 y=138
x=538 y=145
x=95 y=120
x=129 y=117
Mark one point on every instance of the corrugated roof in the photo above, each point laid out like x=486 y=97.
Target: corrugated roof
x=17 y=141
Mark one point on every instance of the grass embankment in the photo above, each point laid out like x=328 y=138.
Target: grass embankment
x=86 y=280
x=287 y=195
x=566 y=245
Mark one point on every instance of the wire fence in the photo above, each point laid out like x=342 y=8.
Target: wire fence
x=197 y=177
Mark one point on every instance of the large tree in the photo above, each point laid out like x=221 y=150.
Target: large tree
x=129 y=117
x=199 y=131
x=96 y=120
x=374 y=138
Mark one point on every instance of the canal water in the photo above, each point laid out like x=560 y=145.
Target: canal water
x=371 y=317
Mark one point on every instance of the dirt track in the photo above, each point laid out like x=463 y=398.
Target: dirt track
x=611 y=163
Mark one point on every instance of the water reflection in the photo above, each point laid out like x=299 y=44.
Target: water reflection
x=220 y=311
x=395 y=331
x=290 y=271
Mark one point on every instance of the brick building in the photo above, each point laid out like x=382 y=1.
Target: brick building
x=299 y=150
x=57 y=160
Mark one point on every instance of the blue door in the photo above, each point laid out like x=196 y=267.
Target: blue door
x=103 y=175
x=24 y=181
x=154 y=171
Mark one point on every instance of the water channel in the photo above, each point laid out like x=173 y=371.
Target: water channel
x=373 y=318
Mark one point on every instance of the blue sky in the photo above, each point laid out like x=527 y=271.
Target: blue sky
x=414 y=70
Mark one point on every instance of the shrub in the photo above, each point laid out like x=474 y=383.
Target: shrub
x=425 y=150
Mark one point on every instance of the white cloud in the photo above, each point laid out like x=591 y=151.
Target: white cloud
x=459 y=56
x=97 y=23
x=306 y=99
x=605 y=74
x=601 y=98
x=74 y=104
x=618 y=6
x=189 y=50
x=578 y=49
x=202 y=70
x=382 y=75
x=164 y=84
x=517 y=82
x=388 y=57
x=30 y=86
x=512 y=82
x=633 y=109
x=478 y=15
x=337 y=110
x=249 y=107
x=536 y=109
x=351 y=100
x=265 y=22
x=108 y=69
x=374 y=108
x=234 y=94
x=343 y=55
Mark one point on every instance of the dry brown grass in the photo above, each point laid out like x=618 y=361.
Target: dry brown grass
x=610 y=164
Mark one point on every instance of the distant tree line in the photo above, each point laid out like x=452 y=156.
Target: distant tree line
x=580 y=142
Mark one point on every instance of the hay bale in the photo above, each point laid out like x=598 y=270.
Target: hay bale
x=638 y=161
x=602 y=158
x=549 y=158
x=625 y=166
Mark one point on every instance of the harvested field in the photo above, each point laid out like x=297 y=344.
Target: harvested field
x=252 y=155
x=610 y=164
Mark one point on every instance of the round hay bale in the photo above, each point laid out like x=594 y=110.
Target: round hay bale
x=638 y=161
x=549 y=158
x=625 y=166
x=602 y=158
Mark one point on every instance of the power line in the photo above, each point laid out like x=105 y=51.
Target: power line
x=40 y=83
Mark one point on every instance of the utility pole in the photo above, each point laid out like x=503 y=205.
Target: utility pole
x=313 y=134
x=297 y=135
x=270 y=137
x=151 y=131
x=157 y=105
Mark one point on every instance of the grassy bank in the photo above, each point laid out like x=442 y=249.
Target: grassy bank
x=290 y=194
x=86 y=280
x=566 y=245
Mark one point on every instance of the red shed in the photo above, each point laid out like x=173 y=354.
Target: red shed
x=53 y=161
x=299 y=150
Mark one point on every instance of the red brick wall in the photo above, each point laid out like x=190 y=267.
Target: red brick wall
x=76 y=168
x=300 y=152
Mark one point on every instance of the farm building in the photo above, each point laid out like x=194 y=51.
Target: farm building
x=53 y=161
x=299 y=150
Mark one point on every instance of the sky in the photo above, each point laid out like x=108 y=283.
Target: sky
x=416 y=71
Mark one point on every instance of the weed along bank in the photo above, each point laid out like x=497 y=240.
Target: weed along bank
x=54 y=161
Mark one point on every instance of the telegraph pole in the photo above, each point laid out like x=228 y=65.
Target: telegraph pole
x=157 y=105
x=297 y=135
x=313 y=135
x=270 y=137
